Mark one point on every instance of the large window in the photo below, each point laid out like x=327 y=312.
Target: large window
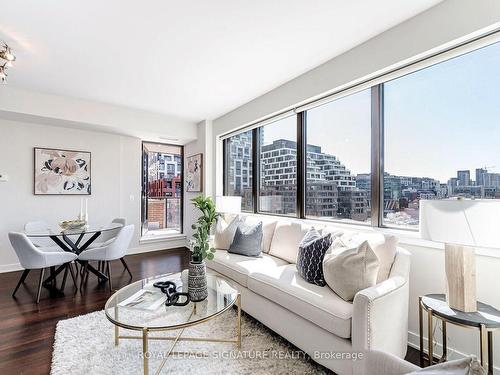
x=442 y=134
x=371 y=156
x=338 y=159
x=278 y=167
x=161 y=188
x=239 y=181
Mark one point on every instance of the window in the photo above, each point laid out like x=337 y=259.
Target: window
x=441 y=134
x=238 y=161
x=338 y=159
x=278 y=138
x=161 y=188
x=372 y=156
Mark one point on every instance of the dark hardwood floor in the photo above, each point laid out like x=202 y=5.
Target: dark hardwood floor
x=27 y=329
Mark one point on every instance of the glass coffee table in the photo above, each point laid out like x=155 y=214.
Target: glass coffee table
x=141 y=307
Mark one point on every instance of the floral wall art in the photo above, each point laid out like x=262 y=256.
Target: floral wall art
x=63 y=172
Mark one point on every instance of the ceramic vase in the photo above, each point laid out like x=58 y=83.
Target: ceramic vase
x=197 y=281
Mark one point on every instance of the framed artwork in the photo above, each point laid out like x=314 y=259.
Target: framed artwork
x=61 y=172
x=194 y=175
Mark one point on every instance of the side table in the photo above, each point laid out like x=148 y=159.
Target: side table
x=486 y=319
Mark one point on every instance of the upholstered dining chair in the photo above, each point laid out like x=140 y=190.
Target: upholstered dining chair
x=40 y=227
x=32 y=258
x=108 y=236
x=110 y=251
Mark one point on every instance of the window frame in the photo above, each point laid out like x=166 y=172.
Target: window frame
x=376 y=84
x=144 y=194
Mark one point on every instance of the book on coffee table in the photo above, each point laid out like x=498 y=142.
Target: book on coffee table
x=145 y=300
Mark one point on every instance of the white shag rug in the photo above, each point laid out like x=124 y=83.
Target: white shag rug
x=85 y=345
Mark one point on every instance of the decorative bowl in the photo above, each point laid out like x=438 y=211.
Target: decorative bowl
x=72 y=224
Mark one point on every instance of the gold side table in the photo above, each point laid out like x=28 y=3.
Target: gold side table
x=486 y=320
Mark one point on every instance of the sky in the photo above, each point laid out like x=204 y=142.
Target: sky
x=437 y=120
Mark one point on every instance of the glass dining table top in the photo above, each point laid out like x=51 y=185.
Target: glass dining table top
x=56 y=230
x=141 y=305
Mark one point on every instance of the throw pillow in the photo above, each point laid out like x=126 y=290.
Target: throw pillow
x=312 y=250
x=385 y=246
x=224 y=232
x=247 y=241
x=347 y=271
x=466 y=366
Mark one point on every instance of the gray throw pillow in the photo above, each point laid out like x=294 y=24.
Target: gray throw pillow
x=312 y=250
x=466 y=366
x=247 y=240
x=347 y=271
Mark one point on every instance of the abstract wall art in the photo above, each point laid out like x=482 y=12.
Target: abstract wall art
x=194 y=175
x=61 y=172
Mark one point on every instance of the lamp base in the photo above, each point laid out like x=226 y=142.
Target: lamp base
x=460 y=266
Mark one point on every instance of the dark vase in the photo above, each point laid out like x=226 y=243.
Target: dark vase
x=197 y=281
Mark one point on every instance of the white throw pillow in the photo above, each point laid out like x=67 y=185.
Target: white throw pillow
x=349 y=270
x=268 y=225
x=286 y=239
x=224 y=232
x=385 y=246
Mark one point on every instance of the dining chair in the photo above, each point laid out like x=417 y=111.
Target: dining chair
x=32 y=258
x=113 y=251
x=40 y=226
x=107 y=237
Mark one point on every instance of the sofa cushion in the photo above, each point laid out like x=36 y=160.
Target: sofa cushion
x=385 y=246
x=247 y=240
x=312 y=250
x=224 y=231
x=347 y=271
x=238 y=267
x=268 y=225
x=286 y=239
x=320 y=305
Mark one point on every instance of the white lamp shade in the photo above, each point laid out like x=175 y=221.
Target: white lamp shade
x=228 y=205
x=461 y=221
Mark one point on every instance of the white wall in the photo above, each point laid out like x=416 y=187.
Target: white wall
x=116 y=178
x=203 y=145
x=421 y=36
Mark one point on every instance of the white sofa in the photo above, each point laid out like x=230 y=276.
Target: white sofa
x=314 y=318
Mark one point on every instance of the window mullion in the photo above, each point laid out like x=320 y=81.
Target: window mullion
x=255 y=169
x=377 y=174
x=301 y=164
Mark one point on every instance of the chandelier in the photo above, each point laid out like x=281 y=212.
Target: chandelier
x=8 y=57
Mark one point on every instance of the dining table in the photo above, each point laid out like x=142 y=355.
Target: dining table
x=76 y=241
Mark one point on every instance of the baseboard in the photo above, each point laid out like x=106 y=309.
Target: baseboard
x=414 y=342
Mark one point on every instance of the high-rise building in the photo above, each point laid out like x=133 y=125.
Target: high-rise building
x=463 y=178
x=331 y=188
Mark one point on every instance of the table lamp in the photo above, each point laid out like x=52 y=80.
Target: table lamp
x=228 y=204
x=462 y=225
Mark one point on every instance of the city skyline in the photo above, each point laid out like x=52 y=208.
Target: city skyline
x=422 y=109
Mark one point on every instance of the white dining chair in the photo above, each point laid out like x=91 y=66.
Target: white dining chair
x=113 y=251
x=106 y=237
x=45 y=243
x=32 y=258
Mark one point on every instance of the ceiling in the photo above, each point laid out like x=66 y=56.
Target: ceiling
x=191 y=59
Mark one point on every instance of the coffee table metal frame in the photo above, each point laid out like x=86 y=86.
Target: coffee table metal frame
x=145 y=332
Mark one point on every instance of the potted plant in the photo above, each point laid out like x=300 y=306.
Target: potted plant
x=200 y=247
